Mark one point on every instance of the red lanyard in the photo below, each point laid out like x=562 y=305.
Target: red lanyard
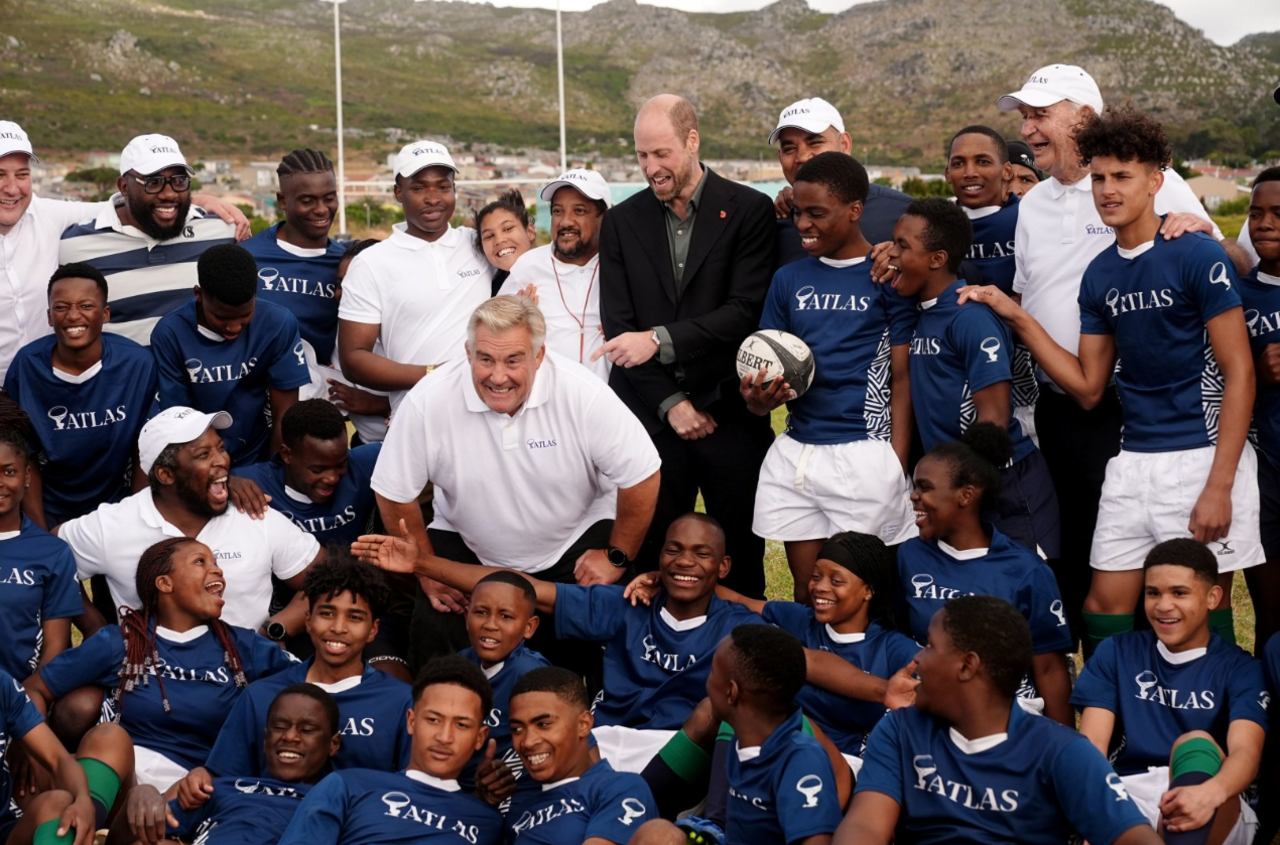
x=581 y=321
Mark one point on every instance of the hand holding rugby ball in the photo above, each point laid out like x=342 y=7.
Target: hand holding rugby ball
x=781 y=355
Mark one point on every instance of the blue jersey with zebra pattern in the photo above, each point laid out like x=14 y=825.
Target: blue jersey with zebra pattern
x=957 y=351
x=1155 y=301
x=849 y=324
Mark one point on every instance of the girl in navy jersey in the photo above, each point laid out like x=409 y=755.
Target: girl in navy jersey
x=958 y=554
x=175 y=666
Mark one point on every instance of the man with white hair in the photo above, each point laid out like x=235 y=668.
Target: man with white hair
x=1059 y=233
x=537 y=465
x=563 y=275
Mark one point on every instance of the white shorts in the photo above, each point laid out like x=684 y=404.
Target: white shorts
x=809 y=492
x=1026 y=417
x=1147 y=788
x=155 y=769
x=1147 y=498
x=629 y=749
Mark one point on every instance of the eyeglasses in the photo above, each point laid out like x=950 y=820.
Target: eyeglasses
x=180 y=182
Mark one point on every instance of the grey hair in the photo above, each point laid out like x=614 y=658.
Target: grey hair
x=167 y=459
x=508 y=312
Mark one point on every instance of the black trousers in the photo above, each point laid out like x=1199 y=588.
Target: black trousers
x=435 y=634
x=1076 y=445
x=725 y=467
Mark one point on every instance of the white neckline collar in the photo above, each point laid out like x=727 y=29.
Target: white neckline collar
x=181 y=636
x=979 y=213
x=1130 y=254
x=1268 y=279
x=845 y=639
x=299 y=251
x=967 y=554
x=745 y=754
x=680 y=624
x=926 y=304
x=842 y=262
x=431 y=780
x=493 y=670
x=209 y=334
x=1179 y=658
x=977 y=745
x=341 y=686
x=547 y=787
x=69 y=378
x=9 y=535
x=302 y=498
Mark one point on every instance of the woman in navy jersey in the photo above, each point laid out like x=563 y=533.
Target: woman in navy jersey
x=175 y=666
x=958 y=554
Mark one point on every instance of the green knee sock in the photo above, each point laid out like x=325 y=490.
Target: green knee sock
x=1099 y=626
x=685 y=758
x=47 y=834
x=1222 y=623
x=104 y=786
x=1196 y=754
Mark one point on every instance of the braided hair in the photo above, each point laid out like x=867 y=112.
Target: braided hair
x=141 y=656
x=303 y=161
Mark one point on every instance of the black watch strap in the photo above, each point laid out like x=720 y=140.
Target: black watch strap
x=618 y=557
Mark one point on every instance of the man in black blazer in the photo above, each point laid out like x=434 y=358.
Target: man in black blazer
x=684 y=268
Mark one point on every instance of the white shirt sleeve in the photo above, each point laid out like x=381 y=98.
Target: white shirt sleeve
x=1175 y=195
x=87 y=538
x=1245 y=242
x=1021 y=243
x=361 y=299
x=67 y=213
x=401 y=473
x=292 y=549
x=620 y=447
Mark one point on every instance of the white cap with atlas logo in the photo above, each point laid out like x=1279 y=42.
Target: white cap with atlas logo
x=1053 y=84
x=589 y=183
x=149 y=154
x=812 y=115
x=420 y=155
x=175 y=425
x=14 y=140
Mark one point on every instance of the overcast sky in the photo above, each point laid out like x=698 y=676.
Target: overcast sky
x=1224 y=21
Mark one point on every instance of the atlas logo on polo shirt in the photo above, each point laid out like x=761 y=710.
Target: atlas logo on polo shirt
x=200 y=374
x=273 y=281
x=1139 y=300
x=1259 y=324
x=991 y=346
x=969 y=797
x=321 y=524
x=565 y=806
x=926 y=589
x=632 y=809
x=978 y=251
x=1117 y=786
x=808 y=300
x=1218 y=275
x=926 y=346
x=300 y=352
x=257 y=787
x=1264 y=699
x=809 y=786
x=1149 y=689
x=541 y=444
x=401 y=806
x=65 y=420
x=669 y=662
x=1056 y=610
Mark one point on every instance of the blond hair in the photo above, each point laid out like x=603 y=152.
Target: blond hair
x=508 y=312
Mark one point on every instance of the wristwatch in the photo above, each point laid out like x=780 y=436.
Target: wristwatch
x=657 y=340
x=276 y=631
x=618 y=557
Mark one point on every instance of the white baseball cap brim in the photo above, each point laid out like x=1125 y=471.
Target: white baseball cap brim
x=589 y=183
x=175 y=425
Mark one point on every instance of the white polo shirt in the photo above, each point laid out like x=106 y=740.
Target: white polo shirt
x=28 y=257
x=519 y=489
x=421 y=293
x=110 y=541
x=569 y=297
x=1059 y=232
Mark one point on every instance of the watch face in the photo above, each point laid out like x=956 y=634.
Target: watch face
x=617 y=557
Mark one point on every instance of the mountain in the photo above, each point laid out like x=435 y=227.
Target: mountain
x=255 y=77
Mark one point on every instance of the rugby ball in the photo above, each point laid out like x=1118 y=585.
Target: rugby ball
x=782 y=355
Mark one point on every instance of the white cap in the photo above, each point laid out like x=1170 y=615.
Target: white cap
x=175 y=425
x=14 y=140
x=420 y=154
x=1053 y=84
x=587 y=182
x=813 y=115
x=148 y=154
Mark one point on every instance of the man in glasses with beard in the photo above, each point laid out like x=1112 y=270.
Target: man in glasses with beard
x=148 y=242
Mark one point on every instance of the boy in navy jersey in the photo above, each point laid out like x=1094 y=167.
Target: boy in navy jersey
x=1169 y=311
x=224 y=351
x=87 y=394
x=781 y=786
x=345 y=601
x=581 y=800
x=423 y=803
x=960 y=367
x=965 y=765
x=39 y=593
x=1185 y=711
x=300 y=737
x=1260 y=295
x=297 y=261
x=501 y=616
x=656 y=659
x=839 y=465
x=316 y=480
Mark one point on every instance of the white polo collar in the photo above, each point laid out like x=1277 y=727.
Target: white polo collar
x=109 y=218
x=1057 y=189
x=74 y=379
x=400 y=237
x=1178 y=658
x=1268 y=279
x=845 y=639
x=538 y=395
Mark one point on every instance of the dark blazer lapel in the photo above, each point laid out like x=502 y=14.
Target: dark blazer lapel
x=648 y=224
x=713 y=220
